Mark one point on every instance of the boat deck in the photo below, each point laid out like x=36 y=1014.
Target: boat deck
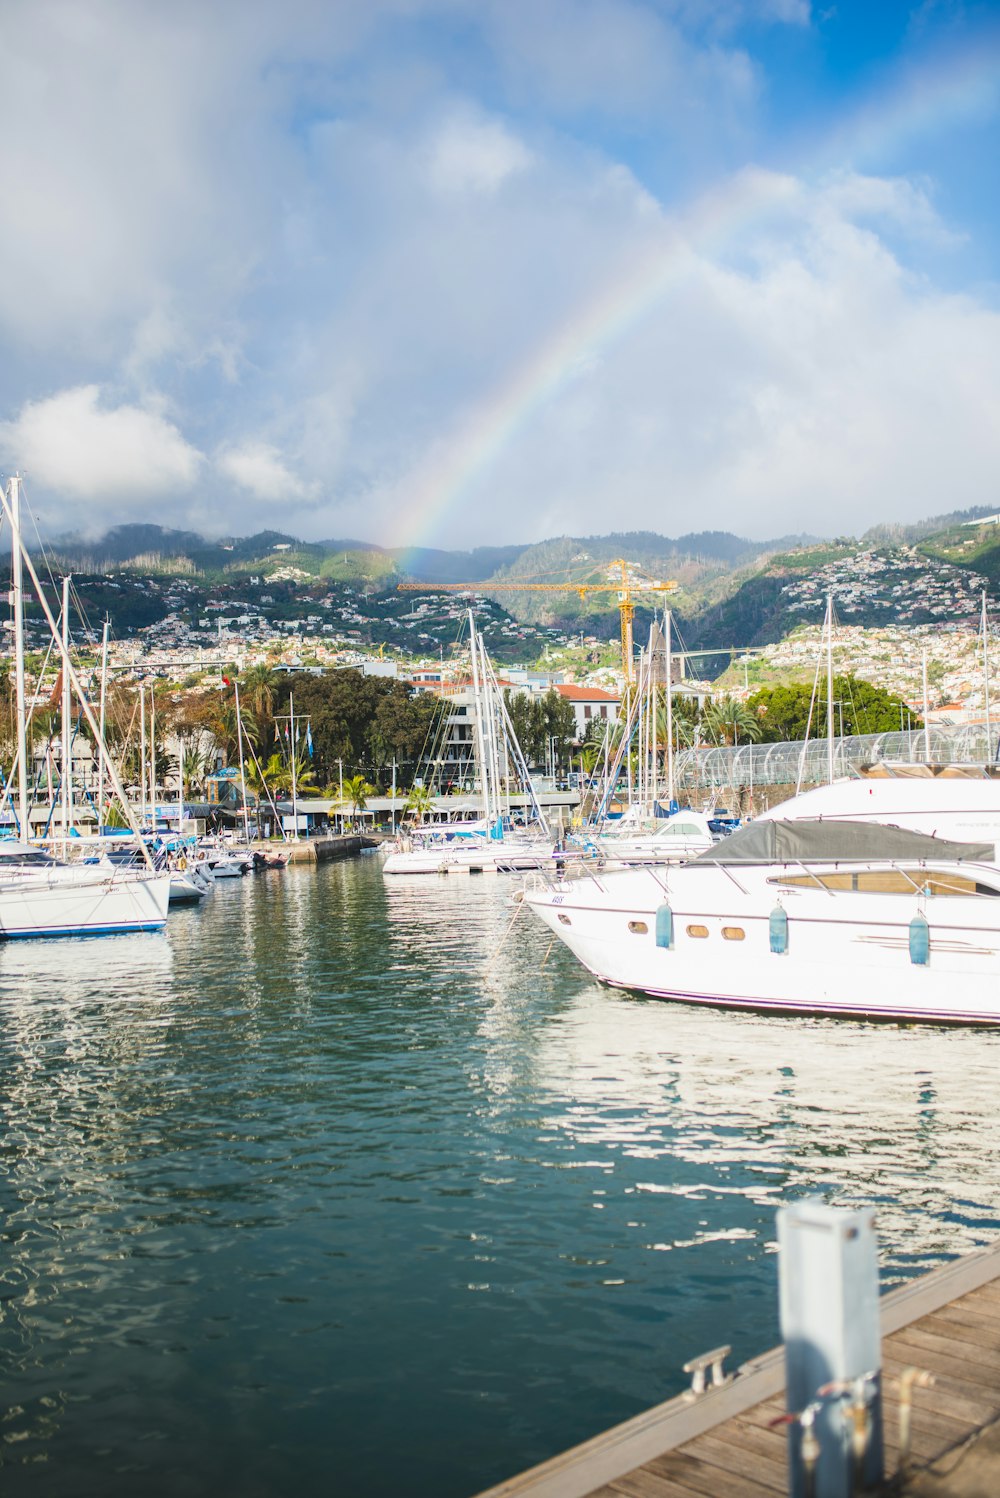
x=721 y=1444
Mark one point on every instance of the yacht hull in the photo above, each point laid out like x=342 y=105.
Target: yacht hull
x=854 y=961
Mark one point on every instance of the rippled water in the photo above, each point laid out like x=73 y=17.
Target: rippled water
x=347 y=1187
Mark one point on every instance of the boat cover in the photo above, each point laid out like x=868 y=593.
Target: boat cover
x=817 y=840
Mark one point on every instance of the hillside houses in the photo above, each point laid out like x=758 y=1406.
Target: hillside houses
x=900 y=583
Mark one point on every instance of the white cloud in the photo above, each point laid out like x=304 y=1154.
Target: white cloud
x=73 y=446
x=467 y=154
x=617 y=57
x=260 y=468
x=434 y=284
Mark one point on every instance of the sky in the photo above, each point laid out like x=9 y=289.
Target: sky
x=477 y=272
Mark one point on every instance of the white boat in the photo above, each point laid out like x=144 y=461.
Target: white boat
x=670 y=840
x=802 y=916
x=92 y=902
x=954 y=806
x=498 y=758
x=434 y=854
x=79 y=898
x=186 y=888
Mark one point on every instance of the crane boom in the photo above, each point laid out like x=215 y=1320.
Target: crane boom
x=624 y=587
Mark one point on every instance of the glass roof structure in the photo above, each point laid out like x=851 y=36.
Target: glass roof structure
x=805 y=764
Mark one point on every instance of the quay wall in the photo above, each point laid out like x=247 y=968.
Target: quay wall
x=325 y=849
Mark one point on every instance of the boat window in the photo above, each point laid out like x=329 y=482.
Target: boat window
x=565 y=919
x=733 y=933
x=638 y=928
x=888 y=882
x=698 y=931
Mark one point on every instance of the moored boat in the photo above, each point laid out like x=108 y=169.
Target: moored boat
x=92 y=903
x=801 y=916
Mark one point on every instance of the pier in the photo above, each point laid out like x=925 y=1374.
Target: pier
x=324 y=849
x=723 y=1443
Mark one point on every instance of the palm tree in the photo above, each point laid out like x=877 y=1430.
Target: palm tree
x=591 y=754
x=257 y=689
x=278 y=773
x=418 y=802
x=728 y=720
x=194 y=762
x=356 y=792
x=275 y=774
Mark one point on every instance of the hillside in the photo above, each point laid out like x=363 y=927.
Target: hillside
x=730 y=593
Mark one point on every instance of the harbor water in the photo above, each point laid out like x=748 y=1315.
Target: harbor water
x=343 y=1185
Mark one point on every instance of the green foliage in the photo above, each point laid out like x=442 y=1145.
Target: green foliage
x=362 y=721
x=727 y=720
x=783 y=712
x=418 y=803
x=536 y=720
x=356 y=792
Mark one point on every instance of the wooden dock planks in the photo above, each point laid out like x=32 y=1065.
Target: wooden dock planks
x=722 y=1445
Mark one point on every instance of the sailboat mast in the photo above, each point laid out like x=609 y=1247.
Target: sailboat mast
x=243 y=779
x=17 y=589
x=142 y=754
x=829 y=688
x=480 y=726
x=102 y=722
x=295 y=799
x=152 y=758
x=668 y=656
x=75 y=681
x=986 y=681
x=66 y=766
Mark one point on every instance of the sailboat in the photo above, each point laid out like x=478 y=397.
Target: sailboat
x=40 y=896
x=649 y=831
x=491 y=847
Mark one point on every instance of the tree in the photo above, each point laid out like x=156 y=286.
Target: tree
x=194 y=762
x=257 y=695
x=418 y=802
x=783 y=712
x=356 y=792
x=727 y=720
x=360 y=720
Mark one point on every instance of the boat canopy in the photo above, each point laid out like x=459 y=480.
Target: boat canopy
x=836 y=841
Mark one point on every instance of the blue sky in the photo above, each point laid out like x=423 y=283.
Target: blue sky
x=461 y=272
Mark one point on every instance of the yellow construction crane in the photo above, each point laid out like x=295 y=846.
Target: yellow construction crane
x=625 y=588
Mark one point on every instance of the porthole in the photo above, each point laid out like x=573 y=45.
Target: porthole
x=699 y=931
x=733 y=933
x=565 y=919
x=638 y=928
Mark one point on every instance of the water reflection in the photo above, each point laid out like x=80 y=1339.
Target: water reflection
x=334 y=1157
x=736 y=1106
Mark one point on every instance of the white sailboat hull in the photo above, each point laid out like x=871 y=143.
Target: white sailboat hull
x=85 y=907
x=485 y=858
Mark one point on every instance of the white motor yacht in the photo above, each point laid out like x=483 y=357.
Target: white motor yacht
x=801 y=916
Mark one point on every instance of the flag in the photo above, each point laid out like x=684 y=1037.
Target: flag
x=226 y=682
x=309 y=739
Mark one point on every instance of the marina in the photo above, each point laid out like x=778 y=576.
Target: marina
x=340 y=1175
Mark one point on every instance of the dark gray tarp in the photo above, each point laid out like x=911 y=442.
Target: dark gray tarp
x=818 y=841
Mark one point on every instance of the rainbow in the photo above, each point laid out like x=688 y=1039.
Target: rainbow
x=963 y=89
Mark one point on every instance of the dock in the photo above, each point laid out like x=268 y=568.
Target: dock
x=722 y=1443
x=323 y=849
